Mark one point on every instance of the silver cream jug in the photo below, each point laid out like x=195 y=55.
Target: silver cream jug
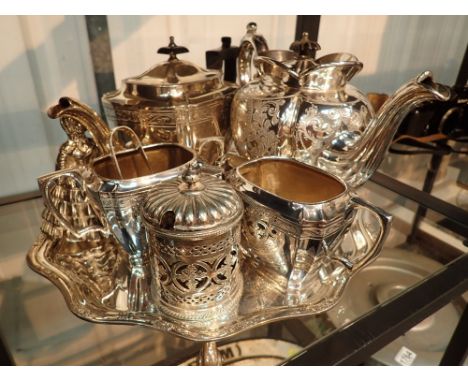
x=295 y=217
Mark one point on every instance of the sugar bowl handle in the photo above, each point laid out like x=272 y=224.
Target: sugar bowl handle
x=45 y=184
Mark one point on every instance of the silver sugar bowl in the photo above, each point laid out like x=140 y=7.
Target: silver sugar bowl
x=193 y=232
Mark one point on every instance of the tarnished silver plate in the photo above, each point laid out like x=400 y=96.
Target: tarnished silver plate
x=97 y=291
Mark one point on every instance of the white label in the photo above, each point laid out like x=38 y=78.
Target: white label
x=405 y=356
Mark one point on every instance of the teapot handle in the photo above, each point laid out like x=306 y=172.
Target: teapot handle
x=377 y=241
x=252 y=44
x=45 y=182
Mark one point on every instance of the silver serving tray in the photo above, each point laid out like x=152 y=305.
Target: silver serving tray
x=261 y=301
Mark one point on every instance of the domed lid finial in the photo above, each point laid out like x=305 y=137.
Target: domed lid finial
x=191 y=178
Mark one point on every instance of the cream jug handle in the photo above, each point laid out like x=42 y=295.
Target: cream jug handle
x=45 y=182
x=385 y=221
x=304 y=260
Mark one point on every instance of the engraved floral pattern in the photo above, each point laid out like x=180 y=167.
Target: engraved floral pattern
x=262 y=138
x=318 y=128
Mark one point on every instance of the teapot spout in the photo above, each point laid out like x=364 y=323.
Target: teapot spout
x=359 y=164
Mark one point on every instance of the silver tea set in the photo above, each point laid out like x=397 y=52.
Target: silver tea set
x=201 y=184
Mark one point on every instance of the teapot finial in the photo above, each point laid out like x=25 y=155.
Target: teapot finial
x=305 y=46
x=252 y=27
x=172 y=49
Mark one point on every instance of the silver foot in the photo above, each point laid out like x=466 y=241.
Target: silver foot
x=209 y=355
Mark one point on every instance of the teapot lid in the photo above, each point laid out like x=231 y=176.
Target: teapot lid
x=172 y=79
x=194 y=203
x=287 y=66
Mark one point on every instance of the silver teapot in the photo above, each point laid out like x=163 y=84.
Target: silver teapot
x=175 y=101
x=304 y=108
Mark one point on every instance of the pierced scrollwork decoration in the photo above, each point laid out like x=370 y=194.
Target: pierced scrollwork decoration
x=209 y=276
x=191 y=278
